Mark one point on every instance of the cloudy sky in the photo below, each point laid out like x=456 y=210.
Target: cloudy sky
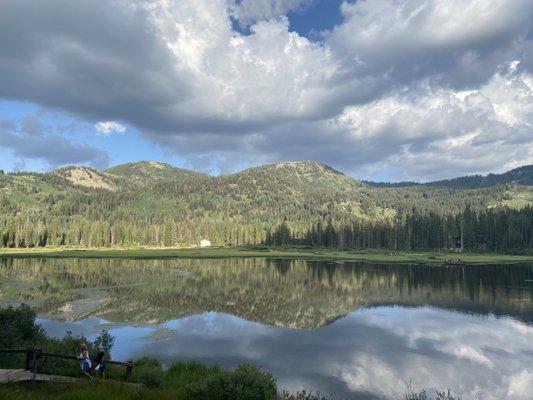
x=380 y=89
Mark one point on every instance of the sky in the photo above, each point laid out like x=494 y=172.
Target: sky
x=379 y=89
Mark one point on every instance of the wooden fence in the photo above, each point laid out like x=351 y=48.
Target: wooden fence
x=33 y=354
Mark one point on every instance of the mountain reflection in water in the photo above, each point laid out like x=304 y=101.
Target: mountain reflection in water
x=362 y=329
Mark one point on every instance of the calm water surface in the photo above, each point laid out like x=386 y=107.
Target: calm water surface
x=344 y=329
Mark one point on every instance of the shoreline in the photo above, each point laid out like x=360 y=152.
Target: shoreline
x=320 y=254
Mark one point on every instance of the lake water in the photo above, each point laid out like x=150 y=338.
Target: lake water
x=344 y=329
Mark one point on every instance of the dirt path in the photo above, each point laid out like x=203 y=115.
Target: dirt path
x=18 y=375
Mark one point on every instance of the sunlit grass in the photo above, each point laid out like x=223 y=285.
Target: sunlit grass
x=381 y=256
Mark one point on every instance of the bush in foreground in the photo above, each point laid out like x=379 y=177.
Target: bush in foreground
x=149 y=372
x=301 y=395
x=246 y=382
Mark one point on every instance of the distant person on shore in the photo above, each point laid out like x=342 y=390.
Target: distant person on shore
x=85 y=358
x=99 y=361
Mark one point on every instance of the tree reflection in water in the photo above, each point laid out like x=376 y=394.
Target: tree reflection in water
x=289 y=293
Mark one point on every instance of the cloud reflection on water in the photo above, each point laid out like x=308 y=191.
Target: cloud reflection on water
x=370 y=353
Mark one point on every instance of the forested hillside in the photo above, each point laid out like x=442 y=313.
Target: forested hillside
x=519 y=176
x=150 y=203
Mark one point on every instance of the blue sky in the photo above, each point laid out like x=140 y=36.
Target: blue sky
x=319 y=16
x=121 y=148
x=379 y=89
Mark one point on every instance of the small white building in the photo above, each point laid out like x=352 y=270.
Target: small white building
x=205 y=243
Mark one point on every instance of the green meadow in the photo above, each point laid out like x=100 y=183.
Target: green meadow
x=376 y=256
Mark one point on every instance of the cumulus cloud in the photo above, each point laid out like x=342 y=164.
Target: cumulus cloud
x=109 y=127
x=489 y=129
x=427 y=135
x=179 y=73
x=453 y=43
x=31 y=139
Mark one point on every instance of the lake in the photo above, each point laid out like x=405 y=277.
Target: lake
x=344 y=329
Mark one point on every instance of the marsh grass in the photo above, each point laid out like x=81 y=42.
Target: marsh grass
x=381 y=256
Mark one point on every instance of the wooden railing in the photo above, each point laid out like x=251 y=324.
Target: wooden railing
x=34 y=353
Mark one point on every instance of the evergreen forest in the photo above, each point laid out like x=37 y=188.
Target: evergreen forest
x=296 y=203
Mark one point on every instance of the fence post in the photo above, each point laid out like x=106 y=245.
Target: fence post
x=29 y=356
x=34 y=366
x=129 y=368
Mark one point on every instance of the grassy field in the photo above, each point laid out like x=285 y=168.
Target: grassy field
x=254 y=252
x=118 y=391
x=180 y=382
x=82 y=390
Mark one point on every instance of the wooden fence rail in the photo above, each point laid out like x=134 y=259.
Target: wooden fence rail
x=34 y=353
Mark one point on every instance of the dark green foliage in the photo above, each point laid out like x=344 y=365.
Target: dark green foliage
x=497 y=230
x=301 y=395
x=18 y=327
x=149 y=372
x=521 y=176
x=246 y=382
x=20 y=331
x=117 y=391
x=182 y=375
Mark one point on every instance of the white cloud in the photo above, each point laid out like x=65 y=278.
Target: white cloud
x=440 y=83
x=268 y=77
x=454 y=42
x=519 y=384
x=439 y=131
x=109 y=127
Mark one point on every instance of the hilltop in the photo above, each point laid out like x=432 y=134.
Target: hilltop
x=87 y=177
x=148 y=171
x=310 y=174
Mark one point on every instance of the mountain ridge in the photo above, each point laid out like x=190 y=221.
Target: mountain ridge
x=521 y=175
x=147 y=169
x=157 y=204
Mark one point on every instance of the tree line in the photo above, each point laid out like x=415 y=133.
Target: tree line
x=493 y=229
x=502 y=229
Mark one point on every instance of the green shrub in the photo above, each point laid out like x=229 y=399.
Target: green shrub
x=18 y=330
x=149 y=372
x=246 y=382
x=19 y=327
x=104 y=339
x=179 y=375
x=252 y=383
